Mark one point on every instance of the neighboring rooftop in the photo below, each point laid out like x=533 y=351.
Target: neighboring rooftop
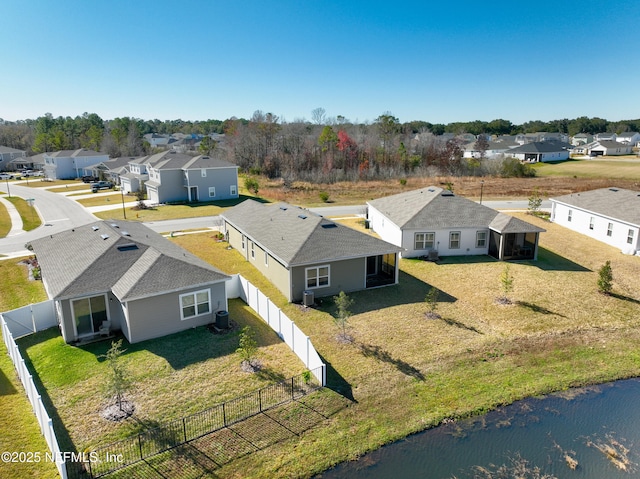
x=613 y=202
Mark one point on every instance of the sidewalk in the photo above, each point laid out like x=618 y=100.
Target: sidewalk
x=16 y=220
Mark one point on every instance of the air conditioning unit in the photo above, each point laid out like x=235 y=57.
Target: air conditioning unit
x=308 y=299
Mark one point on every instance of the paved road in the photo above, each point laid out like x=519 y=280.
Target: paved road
x=60 y=213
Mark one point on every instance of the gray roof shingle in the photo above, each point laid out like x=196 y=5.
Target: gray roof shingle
x=616 y=203
x=126 y=258
x=296 y=236
x=436 y=208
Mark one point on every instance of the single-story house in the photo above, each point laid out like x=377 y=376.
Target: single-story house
x=179 y=177
x=69 y=164
x=119 y=275
x=603 y=148
x=303 y=253
x=495 y=149
x=434 y=220
x=610 y=215
x=541 y=151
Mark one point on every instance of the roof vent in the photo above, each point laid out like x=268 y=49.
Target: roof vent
x=446 y=193
x=613 y=189
x=302 y=217
x=127 y=246
x=95 y=228
x=430 y=189
x=126 y=233
x=329 y=225
x=104 y=237
x=283 y=208
x=113 y=225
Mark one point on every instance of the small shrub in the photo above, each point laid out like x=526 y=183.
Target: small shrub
x=432 y=303
x=605 y=278
x=324 y=196
x=343 y=303
x=252 y=185
x=403 y=181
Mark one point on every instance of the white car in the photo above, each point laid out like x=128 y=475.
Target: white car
x=6 y=176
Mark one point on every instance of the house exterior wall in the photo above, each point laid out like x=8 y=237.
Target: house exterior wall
x=346 y=275
x=172 y=186
x=160 y=315
x=386 y=229
x=581 y=221
x=66 y=167
x=275 y=272
x=442 y=240
x=552 y=156
x=220 y=178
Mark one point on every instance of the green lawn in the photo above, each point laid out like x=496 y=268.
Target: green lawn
x=30 y=218
x=5 y=221
x=112 y=199
x=20 y=430
x=629 y=170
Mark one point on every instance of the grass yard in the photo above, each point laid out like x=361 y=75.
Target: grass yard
x=608 y=168
x=84 y=187
x=5 y=221
x=20 y=430
x=406 y=373
x=173 y=376
x=30 y=218
x=112 y=199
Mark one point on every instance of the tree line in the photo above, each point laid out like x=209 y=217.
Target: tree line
x=324 y=149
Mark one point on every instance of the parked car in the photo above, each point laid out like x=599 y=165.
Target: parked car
x=10 y=176
x=101 y=185
x=89 y=179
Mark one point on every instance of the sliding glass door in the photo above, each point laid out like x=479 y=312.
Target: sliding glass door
x=89 y=313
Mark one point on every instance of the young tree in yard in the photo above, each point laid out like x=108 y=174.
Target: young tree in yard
x=432 y=303
x=251 y=184
x=507 y=285
x=248 y=348
x=535 y=201
x=605 y=278
x=343 y=303
x=118 y=382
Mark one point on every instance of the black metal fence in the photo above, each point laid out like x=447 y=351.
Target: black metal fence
x=126 y=452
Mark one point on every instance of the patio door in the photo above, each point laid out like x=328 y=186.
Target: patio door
x=88 y=314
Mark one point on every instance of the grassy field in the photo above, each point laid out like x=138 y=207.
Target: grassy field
x=5 y=221
x=30 y=218
x=608 y=168
x=20 y=430
x=406 y=373
x=80 y=187
x=114 y=198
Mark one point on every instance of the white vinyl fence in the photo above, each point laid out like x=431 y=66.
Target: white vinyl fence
x=300 y=344
x=31 y=319
x=46 y=425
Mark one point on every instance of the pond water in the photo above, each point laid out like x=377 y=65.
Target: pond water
x=586 y=433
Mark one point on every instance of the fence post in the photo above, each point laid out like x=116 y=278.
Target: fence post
x=292 y=396
x=224 y=415
x=260 y=399
x=140 y=446
x=184 y=429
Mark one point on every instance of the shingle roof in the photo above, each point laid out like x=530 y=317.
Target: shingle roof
x=541 y=147
x=436 y=208
x=296 y=236
x=125 y=257
x=616 y=203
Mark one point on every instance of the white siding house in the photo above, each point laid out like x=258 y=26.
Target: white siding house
x=610 y=215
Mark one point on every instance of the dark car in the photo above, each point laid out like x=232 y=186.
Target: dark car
x=89 y=179
x=101 y=185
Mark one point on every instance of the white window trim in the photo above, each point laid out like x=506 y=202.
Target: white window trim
x=266 y=259
x=630 y=236
x=484 y=239
x=233 y=190
x=451 y=233
x=253 y=250
x=244 y=242
x=426 y=244
x=212 y=188
x=317 y=276
x=203 y=172
x=591 y=223
x=195 y=303
x=610 y=229
x=569 y=215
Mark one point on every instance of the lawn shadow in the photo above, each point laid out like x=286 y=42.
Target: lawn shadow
x=461 y=325
x=408 y=290
x=6 y=387
x=624 y=298
x=376 y=352
x=336 y=382
x=550 y=261
x=538 y=309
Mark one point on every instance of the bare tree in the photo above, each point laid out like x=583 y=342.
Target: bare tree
x=318 y=115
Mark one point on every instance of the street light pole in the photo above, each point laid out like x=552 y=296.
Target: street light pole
x=8 y=189
x=481 y=189
x=124 y=211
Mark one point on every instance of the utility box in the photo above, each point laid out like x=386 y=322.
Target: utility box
x=222 y=319
x=308 y=298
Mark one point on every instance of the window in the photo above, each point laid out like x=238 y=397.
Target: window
x=253 y=250
x=609 y=229
x=212 y=192
x=203 y=172
x=591 y=223
x=481 y=239
x=454 y=240
x=194 y=304
x=233 y=190
x=630 y=237
x=424 y=240
x=569 y=216
x=244 y=240
x=266 y=259
x=317 y=277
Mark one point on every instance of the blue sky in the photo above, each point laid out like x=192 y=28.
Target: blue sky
x=420 y=60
